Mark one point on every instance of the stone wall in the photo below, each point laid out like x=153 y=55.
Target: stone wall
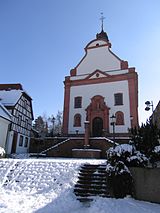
x=65 y=149
x=38 y=145
x=146 y=184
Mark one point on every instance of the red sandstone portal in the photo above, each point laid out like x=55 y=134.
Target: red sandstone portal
x=98 y=116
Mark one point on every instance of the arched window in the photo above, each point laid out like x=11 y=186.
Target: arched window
x=77 y=120
x=119 y=118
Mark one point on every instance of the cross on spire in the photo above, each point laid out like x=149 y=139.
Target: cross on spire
x=102 y=18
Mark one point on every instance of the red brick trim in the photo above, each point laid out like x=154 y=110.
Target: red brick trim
x=73 y=72
x=66 y=106
x=124 y=65
x=11 y=87
x=110 y=78
x=133 y=97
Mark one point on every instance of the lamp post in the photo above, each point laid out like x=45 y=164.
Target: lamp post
x=113 y=122
x=149 y=105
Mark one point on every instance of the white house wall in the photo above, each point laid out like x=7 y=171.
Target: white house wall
x=98 y=58
x=9 y=142
x=3 y=132
x=106 y=90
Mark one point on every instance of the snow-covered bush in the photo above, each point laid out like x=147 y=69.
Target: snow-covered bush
x=155 y=154
x=2 y=152
x=137 y=159
x=119 y=180
x=127 y=154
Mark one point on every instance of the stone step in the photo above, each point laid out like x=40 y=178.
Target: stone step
x=92 y=170
x=92 y=178
x=90 y=191
x=95 y=173
x=91 y=195
x=93 y=182
x=93 y=166
x=84 y=199
x=91 y=186
x=90 y=165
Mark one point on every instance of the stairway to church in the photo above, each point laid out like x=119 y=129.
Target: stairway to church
x=92 y=181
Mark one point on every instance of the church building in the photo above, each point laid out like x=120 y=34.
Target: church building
x=101 y=87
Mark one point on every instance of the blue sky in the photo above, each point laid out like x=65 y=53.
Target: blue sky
x=41 y=40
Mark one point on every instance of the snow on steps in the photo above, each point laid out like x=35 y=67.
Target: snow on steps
x=92 y=182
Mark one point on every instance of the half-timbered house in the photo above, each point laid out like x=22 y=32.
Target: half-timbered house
x=19 y=104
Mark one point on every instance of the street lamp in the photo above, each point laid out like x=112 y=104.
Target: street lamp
x=149 y=104
x=113 y=122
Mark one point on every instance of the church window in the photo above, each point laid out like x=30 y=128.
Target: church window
x=77 y=120
x=21 y=140
x=118 y=99
x=119 y=118
x=77 y=102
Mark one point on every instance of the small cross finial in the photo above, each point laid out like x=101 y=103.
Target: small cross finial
x=102 y=18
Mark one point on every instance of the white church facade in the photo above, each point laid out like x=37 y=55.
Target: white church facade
x=100 y=87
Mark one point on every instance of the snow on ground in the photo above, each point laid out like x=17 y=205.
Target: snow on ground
x=46 y=186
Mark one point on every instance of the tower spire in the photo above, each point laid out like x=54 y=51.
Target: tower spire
x=102 y=34
x=102 y=19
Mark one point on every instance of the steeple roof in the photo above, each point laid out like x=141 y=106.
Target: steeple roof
x=102 y=35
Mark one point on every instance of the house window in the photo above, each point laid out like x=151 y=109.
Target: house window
x=19 y=119
x=26 y=142
x=21 y=140
x=25 y=104
x=119 y=118
x=77 y=120
x=118 y=99
x=26 y=123
x=77 y=102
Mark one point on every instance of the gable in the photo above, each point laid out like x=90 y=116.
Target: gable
x=97 y=74
x=98 y=57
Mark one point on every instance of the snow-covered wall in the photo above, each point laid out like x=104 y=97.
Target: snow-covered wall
x=107 y=90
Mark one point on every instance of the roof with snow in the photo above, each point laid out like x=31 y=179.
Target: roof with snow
x=11 y=93
x=10 y=98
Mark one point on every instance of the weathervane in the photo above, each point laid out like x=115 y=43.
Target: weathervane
x=102 y=18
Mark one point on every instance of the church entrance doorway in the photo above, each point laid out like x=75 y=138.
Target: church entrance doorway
x=97 y=127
